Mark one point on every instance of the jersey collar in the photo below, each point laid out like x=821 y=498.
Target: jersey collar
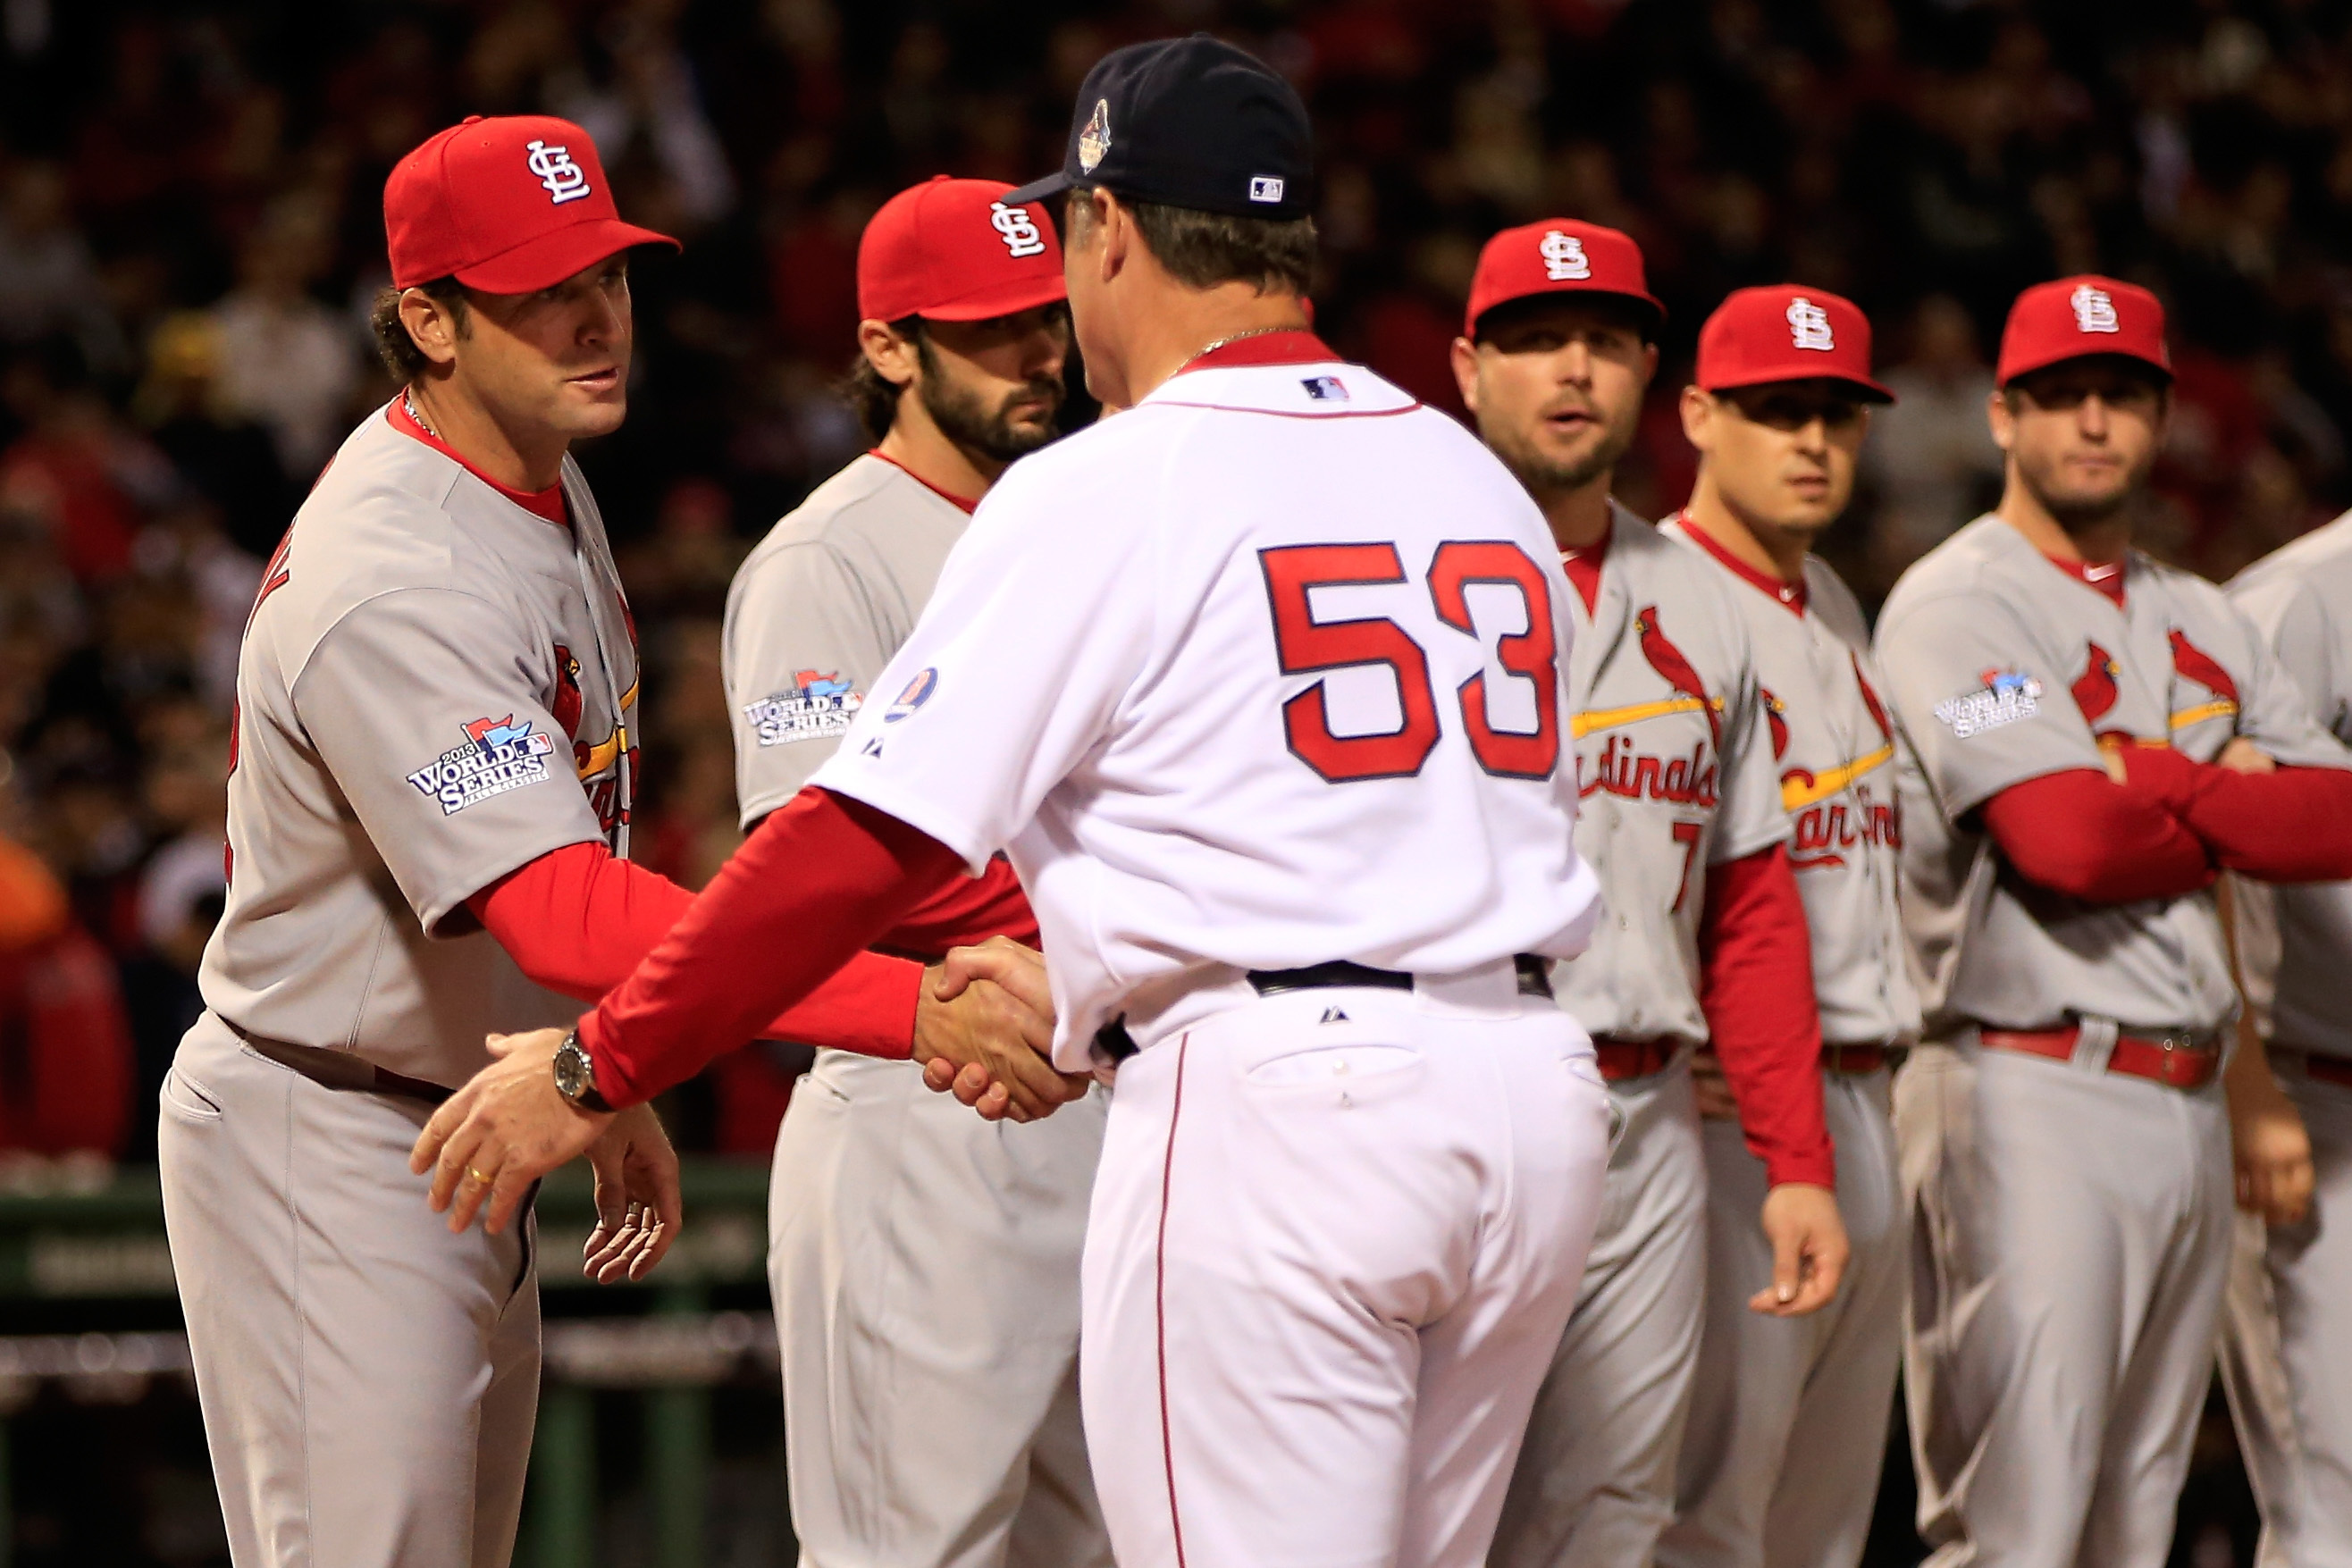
x=2107 y=577
x=548 y=503
x=1583 y=565
x=1295 y=347
x=949 y=496
x=1790 y=596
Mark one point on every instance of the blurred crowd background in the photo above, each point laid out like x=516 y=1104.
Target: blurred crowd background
x=190 y=230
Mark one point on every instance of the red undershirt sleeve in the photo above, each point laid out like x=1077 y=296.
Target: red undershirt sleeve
x=2292 y=825
x=1756 y=986
x=578 y=920
x=966 y=910
x=820 y=879
x=2078 y=832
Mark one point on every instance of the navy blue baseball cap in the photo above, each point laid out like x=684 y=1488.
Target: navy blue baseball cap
x=1189 y=122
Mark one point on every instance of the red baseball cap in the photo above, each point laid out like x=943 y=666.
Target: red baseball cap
x=508 y=206
x=1785 y=332
x=2077 y=316
x=1559 y=256
x=951 y=251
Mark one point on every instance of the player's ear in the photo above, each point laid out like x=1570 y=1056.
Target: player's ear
x=1699 y=413
x=432 y=325
x=891 y=353
x=1117 y=227
x=1465 y=371
x=2001 y=418
x=1649 y=364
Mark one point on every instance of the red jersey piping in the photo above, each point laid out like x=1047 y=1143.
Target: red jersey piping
x=1296 y=346
x=547 y=503
x=949 y=496
x=1789 y=595
x=2109 y=580
x=1583 y=564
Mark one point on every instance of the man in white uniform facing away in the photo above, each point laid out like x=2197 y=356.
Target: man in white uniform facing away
x=1259 y=682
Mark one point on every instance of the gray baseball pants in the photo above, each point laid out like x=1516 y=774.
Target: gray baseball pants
x=368 y=1381
x=1595 y=1482
x=924 y=1265
x=2286 y=1347
x=1788 y=1423
x=2071 y=1232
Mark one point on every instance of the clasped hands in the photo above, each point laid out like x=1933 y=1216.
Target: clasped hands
x=983 y=1022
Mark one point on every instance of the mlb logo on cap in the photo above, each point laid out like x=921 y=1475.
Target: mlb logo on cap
x=2074 y=317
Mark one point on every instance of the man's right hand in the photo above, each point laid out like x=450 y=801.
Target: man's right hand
x=983 y=1025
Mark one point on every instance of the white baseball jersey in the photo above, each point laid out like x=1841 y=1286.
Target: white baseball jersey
x=2002 y=667
x=1673 y=774
x=814 y=613
x=1833 y=748
x=1263 y=673
x=436 y=689
x=2294 y=939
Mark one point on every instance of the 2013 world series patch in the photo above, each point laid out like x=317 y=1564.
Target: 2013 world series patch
x=499 y=755
x=818 y=705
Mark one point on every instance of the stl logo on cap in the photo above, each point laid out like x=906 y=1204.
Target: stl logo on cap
x=1809 y=327
x=1018 y=230
x=2094 y=310
x=1095 y=140
x=565 y=181
x=1563 y=258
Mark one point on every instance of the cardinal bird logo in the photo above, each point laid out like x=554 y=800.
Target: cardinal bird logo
x=1869 y=700
x=2189 y=660
x=1668 y=661
x=2095 y=689
x=567 y=704
x=1776 y=714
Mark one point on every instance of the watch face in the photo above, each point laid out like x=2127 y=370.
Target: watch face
x=570 y=1060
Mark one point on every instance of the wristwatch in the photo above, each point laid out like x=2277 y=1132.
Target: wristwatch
x=575 y=1075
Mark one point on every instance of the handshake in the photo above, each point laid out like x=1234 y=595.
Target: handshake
x=985 y=1029
x=983 y=1025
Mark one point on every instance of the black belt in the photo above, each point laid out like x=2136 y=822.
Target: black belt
x=1535 y=980
x=339 y=1068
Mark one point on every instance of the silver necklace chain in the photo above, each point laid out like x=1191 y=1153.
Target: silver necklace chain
x=417 y=414
x=1206 y=350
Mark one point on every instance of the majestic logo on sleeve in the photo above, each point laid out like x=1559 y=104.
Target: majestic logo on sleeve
x=1809 y=327
x=1563 y=258
x=565 y=181
x=1017 y=229
x=2094 y=310
x=499 y=755
x=1095 y=140
x=815 y=707
x=2005 y=697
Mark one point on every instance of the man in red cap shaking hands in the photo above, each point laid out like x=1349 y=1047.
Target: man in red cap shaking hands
x=2088 y=739
x=428 y=821
x=894 y=1206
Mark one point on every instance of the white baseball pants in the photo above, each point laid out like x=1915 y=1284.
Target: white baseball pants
x=1787 y=1423
x=1335 y=1234
x=2071 y=1238
x=2286 y=1330
x=1595 y=1482
x=368 y=1381
x=925 y=1271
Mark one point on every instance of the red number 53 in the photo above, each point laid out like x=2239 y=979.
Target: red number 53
x=1306 y=646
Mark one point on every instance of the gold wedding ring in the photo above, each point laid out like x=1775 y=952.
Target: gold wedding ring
x=479 y=1177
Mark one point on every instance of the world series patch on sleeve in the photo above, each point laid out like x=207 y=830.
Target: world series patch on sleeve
x=816 y=706
x=499 y=755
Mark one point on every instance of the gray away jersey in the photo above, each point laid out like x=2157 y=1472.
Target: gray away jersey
x=814 y=613
x=2296 y=942
x=1834 y=750
x=2002 y=667
x=436 y=689
x=1673 y=775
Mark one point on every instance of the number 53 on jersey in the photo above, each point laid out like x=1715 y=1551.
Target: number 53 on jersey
x=1309 y=645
